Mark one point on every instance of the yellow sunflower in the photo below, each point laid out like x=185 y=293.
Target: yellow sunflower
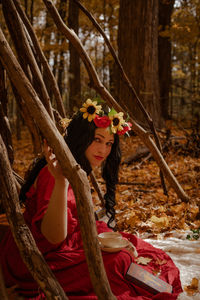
x=116 y=122
x=90 y=109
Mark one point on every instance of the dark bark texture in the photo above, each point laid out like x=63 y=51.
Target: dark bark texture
x=138 y=53
x=164 y=55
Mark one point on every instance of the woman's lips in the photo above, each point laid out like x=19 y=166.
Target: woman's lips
x=98 y=157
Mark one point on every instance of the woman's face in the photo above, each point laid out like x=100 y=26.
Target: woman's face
x=100 y=148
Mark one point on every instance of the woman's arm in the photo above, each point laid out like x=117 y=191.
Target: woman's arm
x=54 y=222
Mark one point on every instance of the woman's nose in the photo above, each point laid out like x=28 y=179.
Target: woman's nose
x=102 y=149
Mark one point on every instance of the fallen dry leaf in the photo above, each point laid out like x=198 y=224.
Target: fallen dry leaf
x=160 y=222
x=193 y=287
x=177 y=209
x=160 y=261
x=143 y=260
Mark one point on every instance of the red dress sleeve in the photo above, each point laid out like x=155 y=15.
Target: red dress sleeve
x=36 y=205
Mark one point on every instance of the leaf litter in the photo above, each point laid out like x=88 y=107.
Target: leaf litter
x=142 y=208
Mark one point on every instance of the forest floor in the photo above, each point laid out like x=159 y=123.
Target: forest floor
x=142 y=207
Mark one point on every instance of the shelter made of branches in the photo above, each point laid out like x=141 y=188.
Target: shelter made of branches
x=29 y=88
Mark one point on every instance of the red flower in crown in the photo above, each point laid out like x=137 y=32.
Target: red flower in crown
x=126 y=128
x=102 y=122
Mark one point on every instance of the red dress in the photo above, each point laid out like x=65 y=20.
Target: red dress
x=67 y=259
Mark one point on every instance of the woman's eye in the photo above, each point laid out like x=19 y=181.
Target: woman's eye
x=109 y=144
x=97 y=139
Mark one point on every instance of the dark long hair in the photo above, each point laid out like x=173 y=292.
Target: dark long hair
x=79 y=135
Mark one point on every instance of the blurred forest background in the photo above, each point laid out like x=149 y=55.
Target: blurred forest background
x=158 y=45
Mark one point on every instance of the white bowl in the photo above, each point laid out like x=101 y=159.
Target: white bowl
x=109 y=235
x=114 y=243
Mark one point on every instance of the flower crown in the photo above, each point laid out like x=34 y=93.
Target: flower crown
x=114 y=120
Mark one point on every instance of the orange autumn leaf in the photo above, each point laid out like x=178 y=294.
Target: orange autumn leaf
x=160 y=222
x=193 y=287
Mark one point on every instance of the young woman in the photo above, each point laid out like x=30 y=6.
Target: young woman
x=51 y=215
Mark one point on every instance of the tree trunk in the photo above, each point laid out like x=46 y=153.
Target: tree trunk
x=74 y=68
x=104 y=65
x=30 y=123
x=164 y=55
x=31 y=11
x=113 y=69
x=193 y=79
x=138 y=53
x=61 y=63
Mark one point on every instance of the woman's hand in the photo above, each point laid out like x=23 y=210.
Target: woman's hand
x=53 y=164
